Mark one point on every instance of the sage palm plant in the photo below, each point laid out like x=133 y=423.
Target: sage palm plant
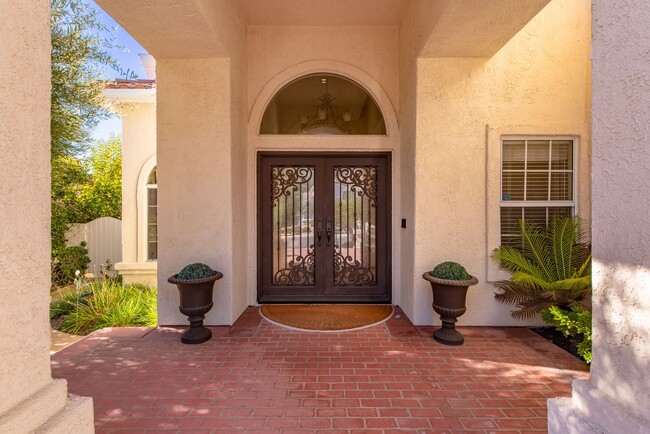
x=550 y=266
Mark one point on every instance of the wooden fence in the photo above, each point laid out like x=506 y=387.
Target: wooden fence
x=103 y=238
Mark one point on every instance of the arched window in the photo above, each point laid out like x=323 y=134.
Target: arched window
x=323 y=104
x=152 y=215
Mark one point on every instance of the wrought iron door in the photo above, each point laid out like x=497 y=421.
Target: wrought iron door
x=323 y=228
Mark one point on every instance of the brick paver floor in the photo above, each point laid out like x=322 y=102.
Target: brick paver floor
x=258 y=377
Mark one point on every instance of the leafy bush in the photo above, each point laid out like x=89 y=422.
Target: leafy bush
x=195 y=271
x=106 y=304
x=575 y=322
x=66 y=261
x=551 y=267
x=450 y=271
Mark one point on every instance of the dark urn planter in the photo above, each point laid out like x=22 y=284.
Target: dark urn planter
x=196 y=301
x=449 y=302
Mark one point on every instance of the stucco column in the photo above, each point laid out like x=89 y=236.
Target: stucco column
x=30 y=400
x=616 y=399
x=194 y=135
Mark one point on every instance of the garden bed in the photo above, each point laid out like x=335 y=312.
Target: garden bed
x=567 y=343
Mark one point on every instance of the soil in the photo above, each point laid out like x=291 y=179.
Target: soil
x=567 y=343
x=56 y=322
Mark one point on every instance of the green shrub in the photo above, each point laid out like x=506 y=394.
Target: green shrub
x=195 y=271
x=450 y=271
x=106 y=304
x=575 y=322
x=66 y=261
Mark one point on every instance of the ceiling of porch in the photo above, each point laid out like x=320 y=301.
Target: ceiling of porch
x=441 y=28
x=323 y=12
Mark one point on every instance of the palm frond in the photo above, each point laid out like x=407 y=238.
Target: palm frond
x=531 y=309
x=531 y=281
x=514 y=293
x=585 y=269
x=552 y=267
x=562 y=239
x=535 y=245
x=571 y=284
x=513 y=260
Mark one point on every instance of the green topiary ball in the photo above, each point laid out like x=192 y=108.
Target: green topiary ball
x=195 y=271
x=450 y=271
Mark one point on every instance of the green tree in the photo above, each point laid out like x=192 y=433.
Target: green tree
x=102 y=195
x=69 y=179
x=81 y=48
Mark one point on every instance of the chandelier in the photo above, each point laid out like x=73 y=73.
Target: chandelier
x=326 y=119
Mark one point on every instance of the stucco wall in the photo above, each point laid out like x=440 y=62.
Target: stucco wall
x=417 y=22
x=194 y=179
x=201 y=167
x=617 y=396
x=272 y=50
x=138 y=159
x=28 y=395
x=239 y=188
x=138 y=147
x=536 y=84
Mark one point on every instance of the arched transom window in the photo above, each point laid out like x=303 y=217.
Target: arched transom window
x=323 y=104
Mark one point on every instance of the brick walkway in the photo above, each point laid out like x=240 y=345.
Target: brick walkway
x=258 y=377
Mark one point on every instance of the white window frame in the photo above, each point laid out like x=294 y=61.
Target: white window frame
x=143 y=209
x=543 y=203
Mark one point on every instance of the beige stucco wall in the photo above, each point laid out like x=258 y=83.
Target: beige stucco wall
x=194 y=179
x=201 y=168
x=537 y=84
x=139 y=148
x=272 y=50
x=617 y=396
x=29 y=398
x=139 y=158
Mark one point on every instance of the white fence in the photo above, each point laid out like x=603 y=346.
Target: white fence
x=103 y=238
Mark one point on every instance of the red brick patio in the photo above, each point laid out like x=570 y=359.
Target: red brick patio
x=258 y=377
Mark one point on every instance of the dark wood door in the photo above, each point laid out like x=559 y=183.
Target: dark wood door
x=323 y=228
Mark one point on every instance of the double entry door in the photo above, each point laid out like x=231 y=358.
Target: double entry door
x=323 y=228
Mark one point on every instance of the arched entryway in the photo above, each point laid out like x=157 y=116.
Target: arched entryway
x=324 y=226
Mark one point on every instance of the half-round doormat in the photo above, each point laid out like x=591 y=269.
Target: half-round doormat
x=326 y=317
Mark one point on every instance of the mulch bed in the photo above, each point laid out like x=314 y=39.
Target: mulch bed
x=567 y=343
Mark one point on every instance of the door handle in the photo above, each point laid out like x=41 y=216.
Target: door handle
x=319 y=230
x=328 y=231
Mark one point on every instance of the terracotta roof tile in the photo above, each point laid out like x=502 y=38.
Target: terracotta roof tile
x=120 y=83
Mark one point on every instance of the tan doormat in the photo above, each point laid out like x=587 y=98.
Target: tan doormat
x=326 y=317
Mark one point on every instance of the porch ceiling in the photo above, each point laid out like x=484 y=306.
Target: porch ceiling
x=444 y=28
x=323 y=12
x=473 y=28
x=168 y=29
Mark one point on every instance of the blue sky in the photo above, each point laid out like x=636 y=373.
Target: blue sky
x=129 y=60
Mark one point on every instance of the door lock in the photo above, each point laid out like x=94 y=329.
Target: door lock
x=329 y=231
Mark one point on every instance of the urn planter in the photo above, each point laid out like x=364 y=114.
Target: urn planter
x=195 y=301
x=449 y=302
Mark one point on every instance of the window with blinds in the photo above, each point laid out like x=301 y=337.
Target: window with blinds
x=537 y=182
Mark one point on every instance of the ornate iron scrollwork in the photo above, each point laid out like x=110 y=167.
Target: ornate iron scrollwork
x=350 y=272
x=300 y=271
x=297 y=268
x=352 y=262
x=286 y=180
x=363 y=180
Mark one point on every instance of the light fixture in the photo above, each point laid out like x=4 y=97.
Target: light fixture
x=326 y=119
